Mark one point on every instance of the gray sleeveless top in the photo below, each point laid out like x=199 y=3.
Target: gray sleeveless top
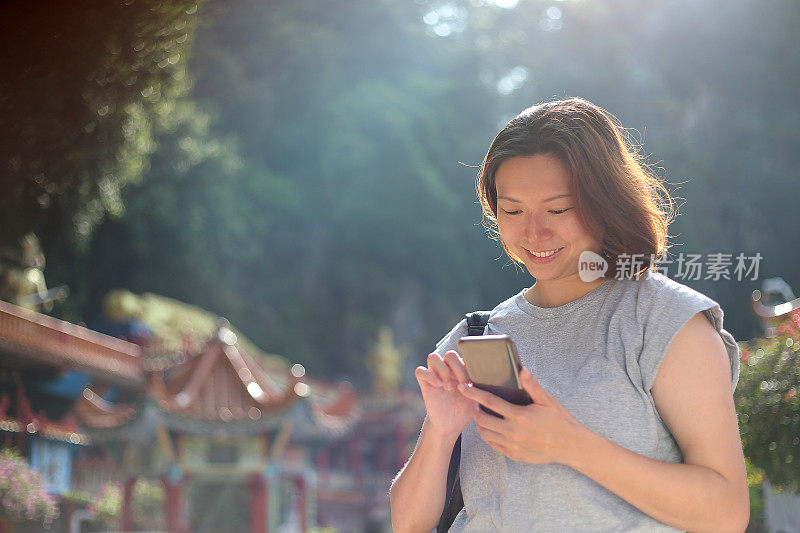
x=598 y=356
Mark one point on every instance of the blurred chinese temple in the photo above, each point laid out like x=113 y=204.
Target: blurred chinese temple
x=237 y=439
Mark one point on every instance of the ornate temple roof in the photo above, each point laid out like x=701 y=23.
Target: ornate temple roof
x=330 y=412
x=218 y=387
x=221 y=386
x=93 y=411
x=28 y=421
x=221 y=382
x=47 y=340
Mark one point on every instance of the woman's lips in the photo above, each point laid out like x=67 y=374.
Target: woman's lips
x=543 y=260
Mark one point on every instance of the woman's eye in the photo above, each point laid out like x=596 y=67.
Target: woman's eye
x=553 y=211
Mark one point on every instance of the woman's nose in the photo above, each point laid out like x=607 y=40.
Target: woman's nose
x=537 y=229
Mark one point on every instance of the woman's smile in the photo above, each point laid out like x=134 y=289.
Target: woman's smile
x=543 y=257
x=537 y=219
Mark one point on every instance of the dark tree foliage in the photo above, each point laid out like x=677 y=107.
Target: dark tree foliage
x=82 y=84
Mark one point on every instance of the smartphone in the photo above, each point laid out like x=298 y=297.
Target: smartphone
x=493 y=365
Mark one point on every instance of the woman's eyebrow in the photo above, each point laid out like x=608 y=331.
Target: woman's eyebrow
x=557 y=197
x=503 y=197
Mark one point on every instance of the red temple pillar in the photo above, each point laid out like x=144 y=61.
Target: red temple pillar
x=172 y=503
x=26 y=419
x=258 y=504
x=127 y=504
x=300 y=483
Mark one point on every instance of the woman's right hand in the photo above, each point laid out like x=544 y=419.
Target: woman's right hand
x=448 y=410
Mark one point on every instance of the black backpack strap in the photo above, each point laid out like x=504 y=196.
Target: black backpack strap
x=476 y=322
x=454 y=499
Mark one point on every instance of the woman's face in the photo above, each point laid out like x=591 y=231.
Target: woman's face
x=536 y=213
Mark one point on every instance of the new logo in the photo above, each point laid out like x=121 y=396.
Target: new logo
x=591 y=266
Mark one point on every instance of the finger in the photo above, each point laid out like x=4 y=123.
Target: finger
x=487 y=399
x=437 y=365
x=489 y=422
x=490 y=436
x=494 y=440
x=428 y=376
x=457 y=366
x=534 y=390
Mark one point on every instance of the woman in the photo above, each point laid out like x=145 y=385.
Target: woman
x=632 y=426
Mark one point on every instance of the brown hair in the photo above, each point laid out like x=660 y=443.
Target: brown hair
x=618 y=198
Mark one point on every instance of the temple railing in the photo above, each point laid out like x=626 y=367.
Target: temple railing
x=91 y=475
x=768 y=311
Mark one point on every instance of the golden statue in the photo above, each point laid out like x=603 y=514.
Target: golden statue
x=22 y=275
x=386 y=364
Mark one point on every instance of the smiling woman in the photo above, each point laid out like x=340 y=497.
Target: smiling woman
x=632 y=425
x=616 y=198
x=539 y=225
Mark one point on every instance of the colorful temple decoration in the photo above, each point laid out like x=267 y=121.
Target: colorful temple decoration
x=210 y=420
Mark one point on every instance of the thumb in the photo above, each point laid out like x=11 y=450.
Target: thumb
x=532 y=387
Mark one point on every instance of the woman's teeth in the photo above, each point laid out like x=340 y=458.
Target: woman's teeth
x=544 y=254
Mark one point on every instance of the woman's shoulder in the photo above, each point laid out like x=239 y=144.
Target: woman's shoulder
x=657 y=291
x=657 y=282
x=664 y=307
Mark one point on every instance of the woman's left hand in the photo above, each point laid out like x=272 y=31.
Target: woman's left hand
x=542 y=432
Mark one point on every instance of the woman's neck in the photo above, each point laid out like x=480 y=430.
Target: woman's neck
x=560 y=292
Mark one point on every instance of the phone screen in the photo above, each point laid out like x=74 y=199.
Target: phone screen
x=491 y=360
x=493 y=365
